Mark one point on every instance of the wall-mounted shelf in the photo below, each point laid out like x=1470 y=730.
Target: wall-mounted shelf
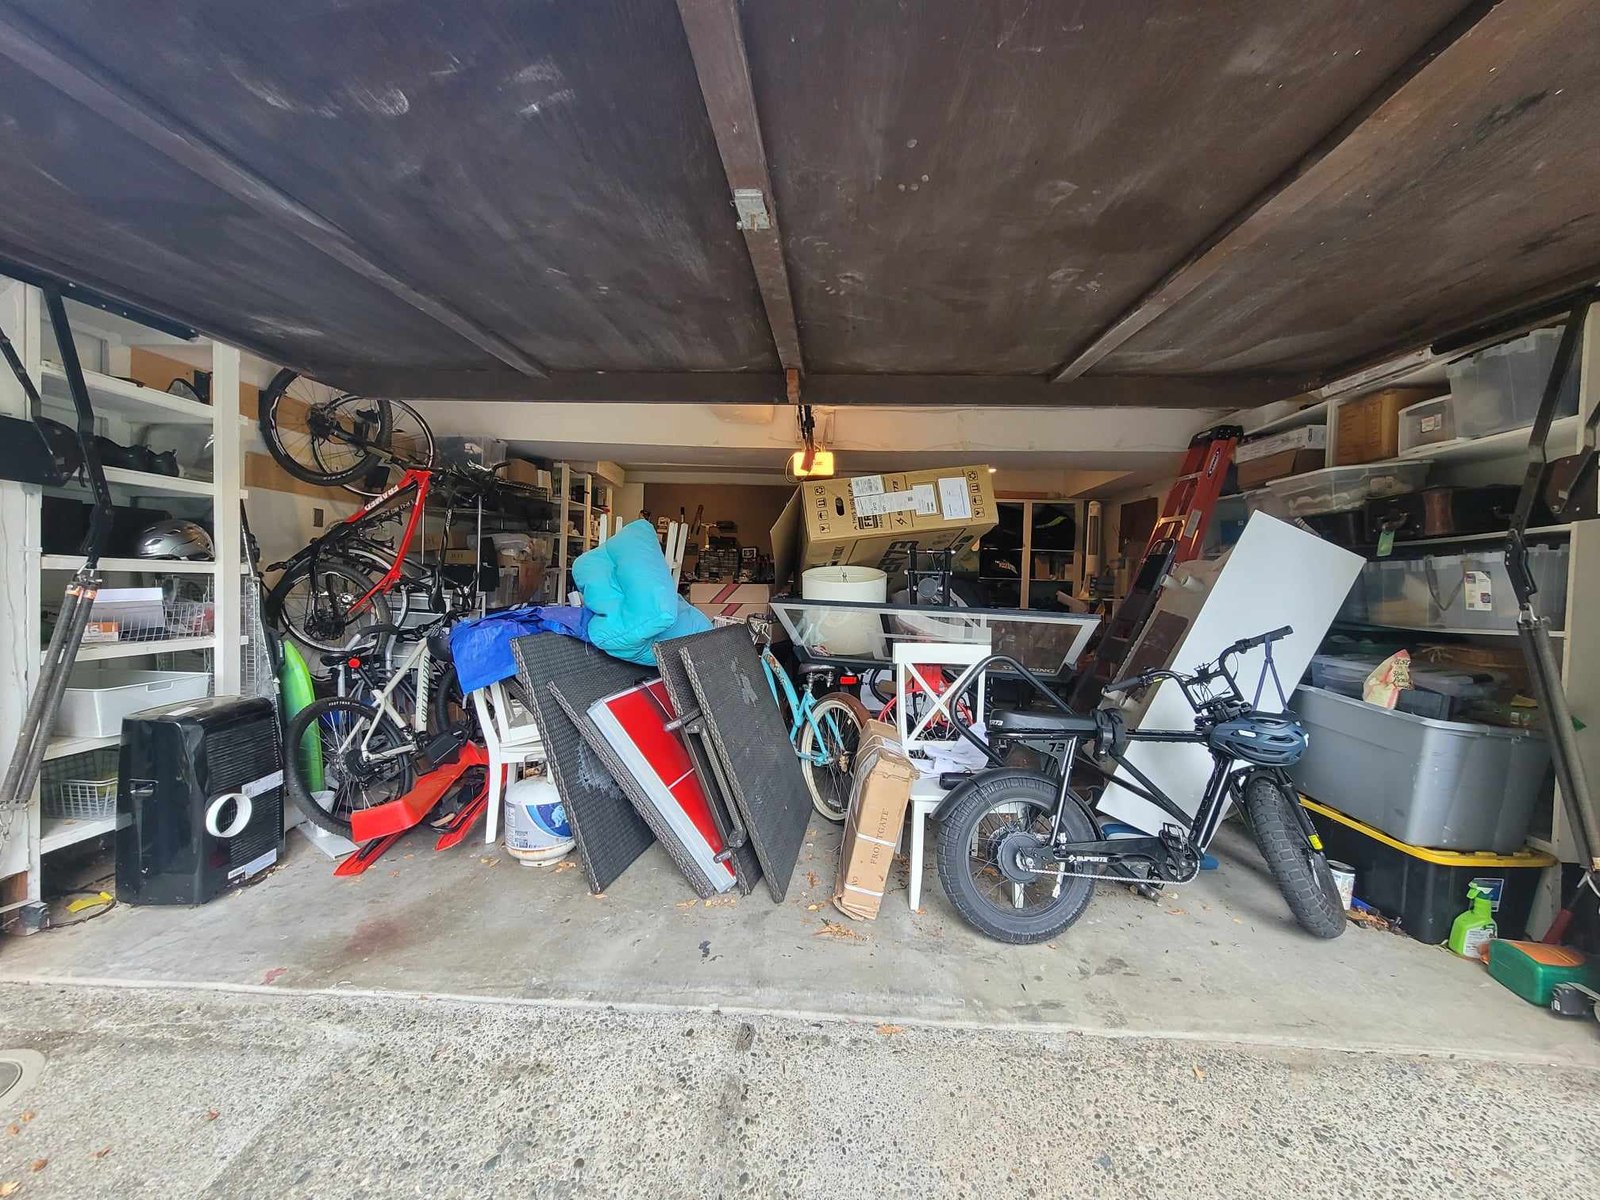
x=124 y=398
x=57 y=833
x=65 y=747
x=147 y=566
x=97 y=651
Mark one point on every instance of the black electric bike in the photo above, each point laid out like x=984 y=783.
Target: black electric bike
x=1020 y=851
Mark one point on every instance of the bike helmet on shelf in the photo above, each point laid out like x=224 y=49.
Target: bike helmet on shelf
x=175 y=539
x=1266 y=740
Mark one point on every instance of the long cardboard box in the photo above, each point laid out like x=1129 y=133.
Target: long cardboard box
x=876 y=520
x=879 y=794
x=734 y=601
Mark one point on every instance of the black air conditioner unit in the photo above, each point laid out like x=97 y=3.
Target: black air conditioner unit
x=201 y=784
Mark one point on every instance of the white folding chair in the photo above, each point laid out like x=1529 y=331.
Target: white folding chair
x=509 y=742
x=911 y=676
x=673 y=544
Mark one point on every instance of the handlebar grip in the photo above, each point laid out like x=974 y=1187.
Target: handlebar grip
x=1261 y=639
x=1122 y=685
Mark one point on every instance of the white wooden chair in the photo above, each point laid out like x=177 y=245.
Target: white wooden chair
x=510 y=743
x=911 y=660
x=674 y=542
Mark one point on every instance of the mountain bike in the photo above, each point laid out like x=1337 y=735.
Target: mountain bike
x=325 y=436
x=396 y=698
x=1020 y=850
x=824 y=729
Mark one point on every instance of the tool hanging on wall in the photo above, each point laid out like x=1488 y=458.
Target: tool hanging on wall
x=1557 y=489
x=1176 y=538
x=22 y=772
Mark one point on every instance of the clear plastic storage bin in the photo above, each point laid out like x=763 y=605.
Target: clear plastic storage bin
x=1337 y=488
x=1427 y=424
x=1500 y=388
x=1473 y=591
x=1399 y=593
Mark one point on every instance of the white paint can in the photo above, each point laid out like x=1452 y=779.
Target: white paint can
x=1344 y=877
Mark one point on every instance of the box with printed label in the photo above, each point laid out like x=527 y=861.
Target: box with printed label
x=731 y=601
x=1307 y=437
x=879 y=794
x=877 y=520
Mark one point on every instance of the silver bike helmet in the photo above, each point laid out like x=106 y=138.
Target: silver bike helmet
x=175 y=539
x=1263 y=739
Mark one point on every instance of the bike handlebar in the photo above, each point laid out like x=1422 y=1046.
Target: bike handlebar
x=1146 y=678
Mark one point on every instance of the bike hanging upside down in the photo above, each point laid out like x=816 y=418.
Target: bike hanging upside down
x=1020 y=850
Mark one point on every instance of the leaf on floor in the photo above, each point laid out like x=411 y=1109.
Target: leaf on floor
x=9 y=1187
x=27 y=1115
x=813 y=907
x=1198 y=1073
x=1178 y=912
x=1049 y=945
x=100 y=1153
x=811 y=879
x=721 y=901
x=891 y=1030
x=38 y=1165
x=597 y=895
x=695 y=903
x=13 y=1130
x=839 y=933
x=212 y=1114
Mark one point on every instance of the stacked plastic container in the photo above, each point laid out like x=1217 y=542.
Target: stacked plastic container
x=1500 y=388
x=1456 y=591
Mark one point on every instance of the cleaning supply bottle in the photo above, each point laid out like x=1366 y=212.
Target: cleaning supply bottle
x=1474 y=928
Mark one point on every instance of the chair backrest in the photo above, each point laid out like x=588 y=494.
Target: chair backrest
x=912 y=673
x=673 y=544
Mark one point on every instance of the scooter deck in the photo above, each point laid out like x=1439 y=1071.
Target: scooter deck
x=403 y=813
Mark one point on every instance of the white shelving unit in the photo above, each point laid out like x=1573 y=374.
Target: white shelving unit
x=122 y=409
x=584 y=523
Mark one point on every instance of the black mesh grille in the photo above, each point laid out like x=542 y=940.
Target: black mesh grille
x=241 y=754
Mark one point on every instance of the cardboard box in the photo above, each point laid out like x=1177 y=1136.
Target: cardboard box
x=733 y=601
x=519 y=470
x=879 y=794
x=1258 y=471
x=1369 y=428
x=876 y=520
x=1307 y=437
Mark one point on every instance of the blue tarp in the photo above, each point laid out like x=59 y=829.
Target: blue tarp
x=482 y=647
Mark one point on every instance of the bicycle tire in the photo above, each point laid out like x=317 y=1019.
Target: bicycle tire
x=969 y=804
x=355 y=562
x=419 y=456
x=823 y=781
x=448 y=705
x=271 y=417
x=1301 y=872
x=308 y=720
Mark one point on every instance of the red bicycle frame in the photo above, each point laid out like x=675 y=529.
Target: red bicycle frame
x=420 y=481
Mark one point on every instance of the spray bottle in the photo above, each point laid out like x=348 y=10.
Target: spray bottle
x=1475 y=928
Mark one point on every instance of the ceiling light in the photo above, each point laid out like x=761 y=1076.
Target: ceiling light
x=811 y=464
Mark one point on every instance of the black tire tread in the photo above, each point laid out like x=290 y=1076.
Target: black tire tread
x=265 y=420
x=963 y=810
x=1307 y=886
x=859 y=714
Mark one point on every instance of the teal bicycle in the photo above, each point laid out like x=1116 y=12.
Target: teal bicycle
x=824 y=729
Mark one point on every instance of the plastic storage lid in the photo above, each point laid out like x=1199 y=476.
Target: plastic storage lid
x=1526 y=857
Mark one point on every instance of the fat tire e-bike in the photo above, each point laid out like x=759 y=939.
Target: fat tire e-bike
x=1020 y=851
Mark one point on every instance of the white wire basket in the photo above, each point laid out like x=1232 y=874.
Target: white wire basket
x=81 y=799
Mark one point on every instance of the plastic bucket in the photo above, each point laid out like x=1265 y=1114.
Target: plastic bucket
x=845 y=633
x=1344 y=877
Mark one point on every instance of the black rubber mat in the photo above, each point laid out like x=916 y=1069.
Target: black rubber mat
x=724 y=669
x=575 y=696
x=608 y=830
x=746 y=866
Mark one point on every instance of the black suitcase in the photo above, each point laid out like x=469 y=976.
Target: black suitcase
x=1347 y=529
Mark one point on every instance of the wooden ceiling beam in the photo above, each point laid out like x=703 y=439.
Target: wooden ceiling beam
x=744 y=387
x=717 y=44
x=1357 y=137
x=46 y=56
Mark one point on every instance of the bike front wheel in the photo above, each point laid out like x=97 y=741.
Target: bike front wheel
x=827 y=746
x=314 y=599
x=997 y=817
x=318 y=433
x=352 y=778
x=1301 y=870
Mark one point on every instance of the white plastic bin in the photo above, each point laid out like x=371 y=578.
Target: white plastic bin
x=1335 y=489
x=95 y=702
x=1398 y=593
x=1500 y=388
x=1427 y=424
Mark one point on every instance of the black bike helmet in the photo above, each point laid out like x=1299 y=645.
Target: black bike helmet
x=175 y=539
x=1267 y=741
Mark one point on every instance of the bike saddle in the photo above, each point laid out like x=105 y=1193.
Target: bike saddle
x=1011 y=723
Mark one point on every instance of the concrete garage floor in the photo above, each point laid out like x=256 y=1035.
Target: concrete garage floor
x=1218 y=961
